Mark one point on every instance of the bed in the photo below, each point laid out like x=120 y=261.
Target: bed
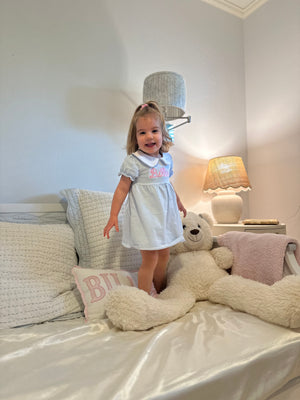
x=51 y=349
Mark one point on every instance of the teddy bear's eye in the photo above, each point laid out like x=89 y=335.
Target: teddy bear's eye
x=184 y=226
x=199 y=226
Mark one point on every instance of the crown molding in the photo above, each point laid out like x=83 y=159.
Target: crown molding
x=239 y=8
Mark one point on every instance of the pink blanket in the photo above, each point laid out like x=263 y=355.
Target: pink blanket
x=259 y=257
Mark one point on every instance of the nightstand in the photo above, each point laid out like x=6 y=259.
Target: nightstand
x=219 y=229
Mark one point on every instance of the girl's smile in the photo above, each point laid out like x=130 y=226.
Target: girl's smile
x=149 y=135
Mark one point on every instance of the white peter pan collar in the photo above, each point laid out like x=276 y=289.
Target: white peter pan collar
x=150 y=161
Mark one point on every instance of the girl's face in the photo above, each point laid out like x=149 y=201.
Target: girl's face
x=149 y=134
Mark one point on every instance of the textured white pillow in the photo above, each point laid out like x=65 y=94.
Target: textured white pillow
x=94 y=285
x=88 y=213
x=36 y=282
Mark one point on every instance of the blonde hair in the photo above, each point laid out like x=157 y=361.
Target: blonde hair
x=151 y=107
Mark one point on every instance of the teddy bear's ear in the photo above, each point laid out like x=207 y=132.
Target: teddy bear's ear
x=207 y=218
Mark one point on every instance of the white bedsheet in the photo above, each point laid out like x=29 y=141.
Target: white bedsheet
x=212 y=353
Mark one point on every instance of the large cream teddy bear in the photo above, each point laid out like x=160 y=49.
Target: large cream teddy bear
x=192 y=269
x=198 y=272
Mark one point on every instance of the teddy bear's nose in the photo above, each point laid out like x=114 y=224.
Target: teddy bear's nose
x=194 y=231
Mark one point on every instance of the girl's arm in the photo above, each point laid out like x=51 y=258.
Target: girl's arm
x=179 y=203
x=117 y=201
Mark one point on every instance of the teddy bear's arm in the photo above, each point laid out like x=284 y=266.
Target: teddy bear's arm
x=223 y=257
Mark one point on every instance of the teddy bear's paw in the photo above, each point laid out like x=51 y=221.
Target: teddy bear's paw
x=126 y=307
x=287 y=294
x=223 y=257
x=130 y=308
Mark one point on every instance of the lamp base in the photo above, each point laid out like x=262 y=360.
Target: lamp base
x=227 y=207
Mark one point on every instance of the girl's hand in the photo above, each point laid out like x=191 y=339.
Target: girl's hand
x=117 y=201
x=113 y=221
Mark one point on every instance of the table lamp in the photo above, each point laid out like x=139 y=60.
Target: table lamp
x=226 y=176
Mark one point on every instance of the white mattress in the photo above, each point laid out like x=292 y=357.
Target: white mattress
x=212 y=353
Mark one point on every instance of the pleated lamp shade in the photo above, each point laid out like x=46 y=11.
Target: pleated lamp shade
x=226 y=176
x=226 y=173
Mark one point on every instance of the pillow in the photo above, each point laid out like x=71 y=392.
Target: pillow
x=88 y=213
x=36 y=282
x=94 y=285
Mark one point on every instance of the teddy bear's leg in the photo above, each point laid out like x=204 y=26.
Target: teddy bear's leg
x=130 y=308
x=279 y=303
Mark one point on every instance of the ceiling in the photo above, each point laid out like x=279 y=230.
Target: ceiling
x=240 y=8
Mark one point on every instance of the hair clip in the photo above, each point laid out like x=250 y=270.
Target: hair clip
x=144 y=105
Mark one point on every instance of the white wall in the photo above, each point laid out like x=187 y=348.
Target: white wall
x=72 y=73
x=272 y=61
x=63 y=114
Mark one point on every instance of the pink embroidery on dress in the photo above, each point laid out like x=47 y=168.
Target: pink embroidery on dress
x=158 y=173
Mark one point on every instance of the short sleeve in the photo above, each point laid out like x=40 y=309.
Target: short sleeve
x=129 y=168
x=170 y=162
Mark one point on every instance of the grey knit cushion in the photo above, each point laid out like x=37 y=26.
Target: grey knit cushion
x=88 y=213
x=36 y=282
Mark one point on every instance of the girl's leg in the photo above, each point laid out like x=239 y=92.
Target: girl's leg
x=146 y=271
x=159 y=277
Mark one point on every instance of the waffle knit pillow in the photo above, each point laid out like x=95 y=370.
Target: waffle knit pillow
x=88 y=213
x=36 y=282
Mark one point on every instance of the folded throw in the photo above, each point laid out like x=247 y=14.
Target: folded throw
x=259 y=257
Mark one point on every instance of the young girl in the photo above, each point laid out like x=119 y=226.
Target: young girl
x=152 y=222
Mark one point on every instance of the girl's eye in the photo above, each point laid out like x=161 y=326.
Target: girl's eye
x=155 y=130
x=142 y=133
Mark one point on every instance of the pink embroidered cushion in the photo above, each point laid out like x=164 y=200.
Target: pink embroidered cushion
x=94 y=285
